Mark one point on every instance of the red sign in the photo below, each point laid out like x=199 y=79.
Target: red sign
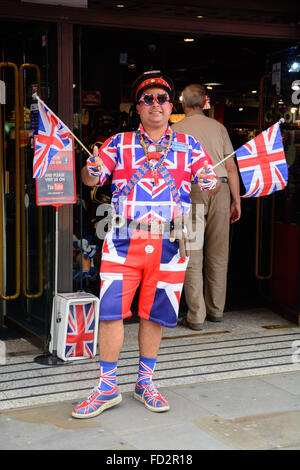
x=58 y=185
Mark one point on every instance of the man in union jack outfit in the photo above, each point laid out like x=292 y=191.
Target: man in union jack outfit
x=151 y=180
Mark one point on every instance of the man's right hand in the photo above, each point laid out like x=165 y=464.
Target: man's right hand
x=94 y=164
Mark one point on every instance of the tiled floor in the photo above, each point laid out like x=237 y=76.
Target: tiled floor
x=248 y=343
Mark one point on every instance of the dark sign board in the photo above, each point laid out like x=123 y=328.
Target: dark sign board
x=91 y=98
x=58 y=185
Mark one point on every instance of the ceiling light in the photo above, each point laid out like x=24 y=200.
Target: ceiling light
x=199 y=17
x=120 y=5
x=213 y=84
x=293 y=110
x=189 y=40
x=241 y=109
x=66 y=3
x=209 y=87
x=254 y=91
x=295 y=67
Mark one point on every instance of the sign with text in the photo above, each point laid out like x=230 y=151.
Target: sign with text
x=58 y=185
x=91 y=98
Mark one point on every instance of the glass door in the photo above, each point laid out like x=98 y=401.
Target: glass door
x=26 y=230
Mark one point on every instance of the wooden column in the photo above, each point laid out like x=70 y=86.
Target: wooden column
x=65 y=112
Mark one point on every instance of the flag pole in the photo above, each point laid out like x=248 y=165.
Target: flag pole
x=80 y=143
x=36 y=96
x=222 y=161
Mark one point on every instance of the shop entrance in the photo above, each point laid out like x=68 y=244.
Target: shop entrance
x=105 y=62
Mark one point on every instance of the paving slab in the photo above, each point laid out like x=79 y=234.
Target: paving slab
x=184 y=436
x=232 y=434
x=240 y=397
x=288 y=382
x=279 y=430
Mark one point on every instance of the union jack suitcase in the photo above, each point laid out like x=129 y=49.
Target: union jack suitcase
x=77 y=318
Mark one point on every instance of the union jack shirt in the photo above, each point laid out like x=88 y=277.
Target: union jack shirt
x=122 y=154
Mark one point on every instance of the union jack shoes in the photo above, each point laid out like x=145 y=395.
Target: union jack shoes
x=97 y=402
x=149 y=395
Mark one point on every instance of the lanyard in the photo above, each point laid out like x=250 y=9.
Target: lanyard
x=152 y=156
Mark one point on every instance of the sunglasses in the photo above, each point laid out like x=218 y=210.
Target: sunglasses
x=149 y=98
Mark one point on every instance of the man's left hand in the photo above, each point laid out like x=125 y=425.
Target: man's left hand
x=207 y=178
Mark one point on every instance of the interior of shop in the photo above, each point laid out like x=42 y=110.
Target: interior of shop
x=237 y=73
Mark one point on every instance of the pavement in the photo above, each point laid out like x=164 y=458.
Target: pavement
x=253 y=413
x=253 y=409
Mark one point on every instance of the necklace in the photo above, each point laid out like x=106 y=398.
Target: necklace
x=158 y=155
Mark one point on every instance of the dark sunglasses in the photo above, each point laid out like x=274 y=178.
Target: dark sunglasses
x=149 y=98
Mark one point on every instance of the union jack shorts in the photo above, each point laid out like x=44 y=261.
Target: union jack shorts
x=144 y=259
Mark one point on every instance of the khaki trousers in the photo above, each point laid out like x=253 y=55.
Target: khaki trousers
x=206 y=275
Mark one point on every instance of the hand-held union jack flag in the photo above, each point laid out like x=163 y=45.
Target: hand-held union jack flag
x=80 y=330
x=262 y=163
x=52 y=136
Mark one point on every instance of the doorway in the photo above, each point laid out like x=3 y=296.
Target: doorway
x=26 y=230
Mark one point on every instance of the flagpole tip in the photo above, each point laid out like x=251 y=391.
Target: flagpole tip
x=35 y=96
x=281 y=120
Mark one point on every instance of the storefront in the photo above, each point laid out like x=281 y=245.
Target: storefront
x=83 y=60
